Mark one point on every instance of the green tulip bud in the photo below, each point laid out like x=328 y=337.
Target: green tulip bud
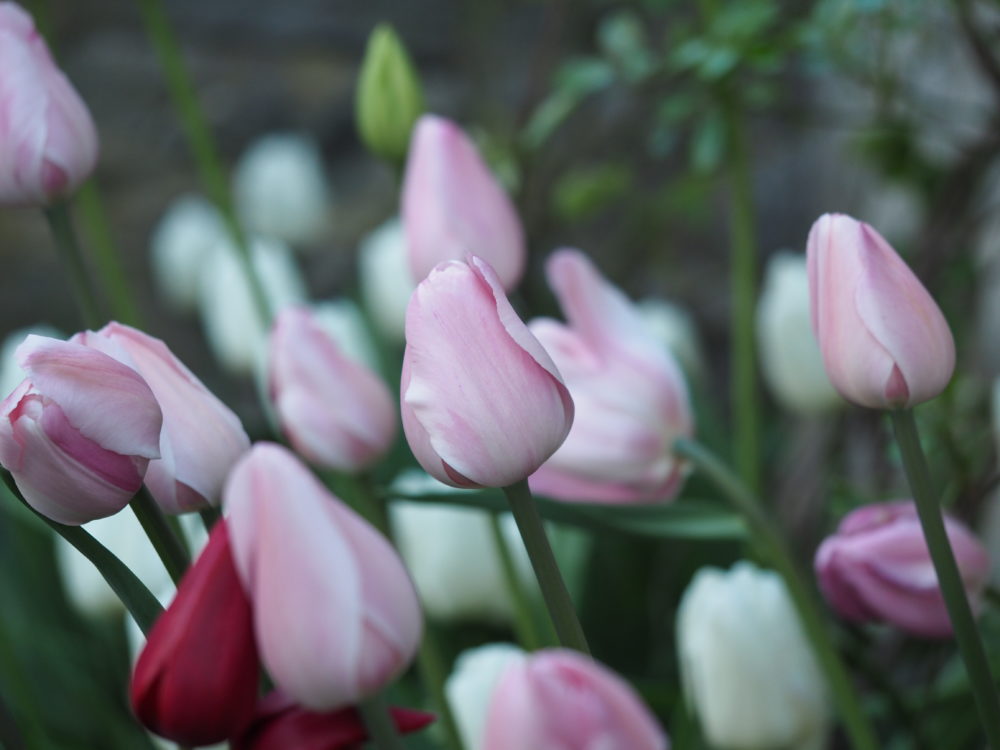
x=389 y=96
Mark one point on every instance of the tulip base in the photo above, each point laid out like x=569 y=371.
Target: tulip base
x=970 y=644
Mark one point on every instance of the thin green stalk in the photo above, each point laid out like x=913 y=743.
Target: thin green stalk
x=773 y=545
x=61 y=225
x=970 y=645
x=524 y=619
x=378 y=720
x=550 y=580
x=172 y=552
x=200 y=139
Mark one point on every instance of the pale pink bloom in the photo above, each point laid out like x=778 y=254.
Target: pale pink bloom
x=482 y=402
x=557 y=698
x=452 y=205
x=79 y=431
x=877 y=567
x=201 y=437
x=335 y=411
x=48 y=142
x=630 y=396
x=335 y=613
x=884 y=340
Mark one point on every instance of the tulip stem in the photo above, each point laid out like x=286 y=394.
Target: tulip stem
x=769 y=539
x=524 y=619
x=200 y=140
x=550 y=580
x=61 y=225
x=970 y=645
x=378 y=720
x=172 y=552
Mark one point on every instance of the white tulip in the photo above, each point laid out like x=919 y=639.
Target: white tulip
x=345 y=323
x=11 y=373
x=182 y=240
x=789 y=355
x=747 y=670
x=280 y=189
x=470 y=686
x=673 y=326
x=386 y=281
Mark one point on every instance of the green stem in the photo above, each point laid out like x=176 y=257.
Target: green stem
x=773 y=544
x=970 y=644
x=172 y=552
x=378 y=720
x=61 y=225
x=524 y=619
x=13 y=737
x=10 y=735
x=200 y=140
x=550 y=580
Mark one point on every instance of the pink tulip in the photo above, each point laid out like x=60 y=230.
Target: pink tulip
x=48 y=142
x=630 y=396
x=201 y=438
x=877 y=568
x=336 y=412
x=557 y=698
x=482 y=402
x=78 y=433
x=885 y=343
x=335 y=613
x=452 y=205
x=195 y=681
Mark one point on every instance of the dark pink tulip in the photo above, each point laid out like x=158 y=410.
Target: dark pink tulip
x=452 y=205
x=482 y=402
x=195 y=681
x=336 y=412
x=335 y=613
x=557 y=698
x=630 y=397
x=48 y=142
x=79 y=432
x=877 y=568
x=280 y=724
x=884 y=341
x=201 y=437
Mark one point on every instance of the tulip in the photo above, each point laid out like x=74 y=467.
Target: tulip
x=280 y=724
x=201 y=437
x=280 y=190
x=877 y=567
x=747 y=670
x=630 y=396
x=386 y=282
x=470 y=687
x=343 y=321
x=674 y=327
x=452 y=205
x=482 y=402
x=789 y=355
x=79 y=432
x=335 y=412
x=183 y=238
x=11 y=373
x=557 y=698
x=335 y=613
x=885 y=343
x=48 y=142
x=195 y=681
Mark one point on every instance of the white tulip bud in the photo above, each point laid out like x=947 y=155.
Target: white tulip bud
x=343 y=320
x=470 y=686
x=673 y=326
x=11 y=373
x=386 y=280
x=182 y=240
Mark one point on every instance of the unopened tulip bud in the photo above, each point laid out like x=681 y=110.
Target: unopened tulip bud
x=674 y=327
x=630 y=396
x=79 y=432
x=452 y=205
x=482 y=402
x=48 y=142
x=386 y=281
x=469 y=688
x=195 y=681
x=201 y=437
x=185 y=235
x=885 y=343
x=789 y=355
x=877 y=567
x=560 y=698
x=336 y=412
x=316 y=570
x=389 y=96
x=747 y=669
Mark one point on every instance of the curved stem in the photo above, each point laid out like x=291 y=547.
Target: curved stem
x=524 y=620
x=773 y=544
x=171 y=550
x=550 y=580
x=68 y=246
x=970 y=645
x=378 y=720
